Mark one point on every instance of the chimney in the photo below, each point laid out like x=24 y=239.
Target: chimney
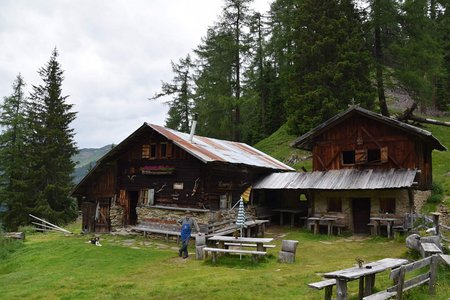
x=194 y=123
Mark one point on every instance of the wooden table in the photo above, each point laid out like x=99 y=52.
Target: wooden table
x=366 y=276
x=329 y=220
x=292 y=212
x=241 y=240
x=389 y=221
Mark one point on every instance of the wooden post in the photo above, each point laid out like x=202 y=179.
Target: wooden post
x=328 y=292
x=370 y=282
x=401 y=281
x=361 y=288
x=341 y=289
x=433 y=274
x=436 y=221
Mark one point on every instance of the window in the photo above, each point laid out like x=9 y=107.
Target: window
x=373 y=155
x=225 y=201
x=348 y=157
x=153 y=151
x=163 y=150
x=334 y=204
x=146 y=151
x=387 y=205
x=178 y=186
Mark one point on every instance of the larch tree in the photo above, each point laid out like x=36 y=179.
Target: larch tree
x=181 y=92
x=51 y=145
x=14 y=192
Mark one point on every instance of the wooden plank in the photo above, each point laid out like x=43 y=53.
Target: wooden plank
x=445 y=258
x=236 y=251
x=380 y=295
x=412 y=266
x=322 y=284
x=248 y=245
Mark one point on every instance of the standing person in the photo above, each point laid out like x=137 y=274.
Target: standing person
x=186 y=225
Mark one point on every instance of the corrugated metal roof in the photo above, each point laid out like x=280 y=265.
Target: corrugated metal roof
x=306 y=141
x=346 y=179
x=210 y=150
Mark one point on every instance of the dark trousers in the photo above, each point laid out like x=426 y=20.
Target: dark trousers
x=184 y=248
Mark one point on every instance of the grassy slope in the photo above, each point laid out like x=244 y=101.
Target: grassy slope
x=55 y=267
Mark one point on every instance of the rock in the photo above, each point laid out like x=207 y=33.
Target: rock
x=413 y=242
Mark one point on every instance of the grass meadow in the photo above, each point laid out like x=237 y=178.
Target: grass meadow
x=53 y=266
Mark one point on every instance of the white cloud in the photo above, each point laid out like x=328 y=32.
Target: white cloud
x=115 y=55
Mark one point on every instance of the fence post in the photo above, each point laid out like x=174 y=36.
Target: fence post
x=433 y=274
x=436 y=221
x=401 y=281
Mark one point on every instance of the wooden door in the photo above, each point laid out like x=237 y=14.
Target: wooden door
x=361 y=215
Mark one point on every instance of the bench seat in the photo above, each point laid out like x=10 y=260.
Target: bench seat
x=214 y=252
x=324 y=284
x=248 y=245
x=380 y=295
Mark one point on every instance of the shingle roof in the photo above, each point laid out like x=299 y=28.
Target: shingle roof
x=345 y=179
x=306 y=141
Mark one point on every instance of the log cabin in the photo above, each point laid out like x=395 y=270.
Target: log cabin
x=157 y=173
x=365 y=166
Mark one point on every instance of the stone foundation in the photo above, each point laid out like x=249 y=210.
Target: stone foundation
x=420 y=197
x=116 y=217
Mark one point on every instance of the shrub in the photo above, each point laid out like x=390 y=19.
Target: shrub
x=437 y=194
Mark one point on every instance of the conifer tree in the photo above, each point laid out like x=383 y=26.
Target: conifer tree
x=13 y=163
x=331 y=63
x=180 y=89
x=51 y=145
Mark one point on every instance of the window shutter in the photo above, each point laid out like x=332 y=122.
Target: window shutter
x=360 y=156
x=384 y=155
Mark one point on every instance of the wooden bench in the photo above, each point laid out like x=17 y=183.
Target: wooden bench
x=427 y=249
x=248 y=245
x=398 y=275
x=214 y=252
x=324 y=284
x=167 y=233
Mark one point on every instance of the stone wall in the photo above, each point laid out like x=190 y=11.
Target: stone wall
x=346 y=215
x=116 y=217
x=420 y=197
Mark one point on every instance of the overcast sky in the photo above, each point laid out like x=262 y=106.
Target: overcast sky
x=115 y=53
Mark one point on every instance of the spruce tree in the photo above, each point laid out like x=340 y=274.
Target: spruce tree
x=331 y=61
x=51 y=145
x=14 y=188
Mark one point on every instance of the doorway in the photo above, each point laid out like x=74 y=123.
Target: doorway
x=131 y=215
x=361 y=215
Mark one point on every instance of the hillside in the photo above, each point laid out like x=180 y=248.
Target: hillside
x=86 y=158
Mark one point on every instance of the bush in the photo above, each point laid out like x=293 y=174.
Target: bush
x=437 y=194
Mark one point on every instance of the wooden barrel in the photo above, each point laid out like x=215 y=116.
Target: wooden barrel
x=289 y=246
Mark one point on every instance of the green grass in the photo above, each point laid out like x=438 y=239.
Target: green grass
x=53 y=266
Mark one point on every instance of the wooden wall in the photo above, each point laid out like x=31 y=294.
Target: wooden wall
x=359 y=133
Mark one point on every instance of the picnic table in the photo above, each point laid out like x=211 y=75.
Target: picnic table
x=365 y=274
x=290 y=211
x=258 y=242
x=329 y=220
x=389 y=224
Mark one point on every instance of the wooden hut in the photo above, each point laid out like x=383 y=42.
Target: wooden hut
x=365 y=166
x=157 y=173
